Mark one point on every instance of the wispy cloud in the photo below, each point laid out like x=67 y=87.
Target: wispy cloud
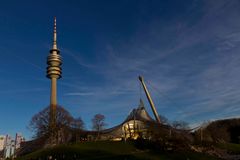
x=19 y=91
x=80 y=94
x=193 y=61
x=77 y=57
x=203 y=83
x=21 y=58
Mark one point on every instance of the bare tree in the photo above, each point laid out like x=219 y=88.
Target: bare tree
x=77 y=129
x=98 y=123
x=180 y=125
x=40 y=125
x=77 y=123
x=163 y=119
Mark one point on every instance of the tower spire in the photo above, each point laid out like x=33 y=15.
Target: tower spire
x=54 y=59
x=55 y=34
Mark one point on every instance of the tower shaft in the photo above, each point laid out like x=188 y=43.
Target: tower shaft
x=53 y=98
x=53 y=104
x=54 y=72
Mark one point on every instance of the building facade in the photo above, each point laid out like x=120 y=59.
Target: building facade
x=18 y=140
x=9 y=145
x=2 y=142
x=136 y=125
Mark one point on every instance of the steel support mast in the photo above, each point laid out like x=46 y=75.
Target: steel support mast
x=150 y=99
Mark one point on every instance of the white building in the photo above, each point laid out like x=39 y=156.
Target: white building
x=18 y=140
x=8 y=147
x=2 y=142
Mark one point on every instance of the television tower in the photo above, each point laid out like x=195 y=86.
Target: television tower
x=54 y=71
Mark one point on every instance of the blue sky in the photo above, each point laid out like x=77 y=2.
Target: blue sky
x=187 y=51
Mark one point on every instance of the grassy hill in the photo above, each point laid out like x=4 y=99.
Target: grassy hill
x=220 y=138
x=221 y=131
x=107 y=150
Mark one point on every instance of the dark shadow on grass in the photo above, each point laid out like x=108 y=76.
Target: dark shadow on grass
x=61 y=153
x=110 y=151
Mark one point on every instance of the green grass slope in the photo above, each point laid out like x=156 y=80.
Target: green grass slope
x=109 y=150
x=230 y=147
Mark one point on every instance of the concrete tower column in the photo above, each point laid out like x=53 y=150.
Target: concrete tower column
x=54 y=72
x=53 y=98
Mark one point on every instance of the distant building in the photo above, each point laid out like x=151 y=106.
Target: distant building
x=8 y=151
x=2 y=142
x=18 y=140
x=9 y=145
